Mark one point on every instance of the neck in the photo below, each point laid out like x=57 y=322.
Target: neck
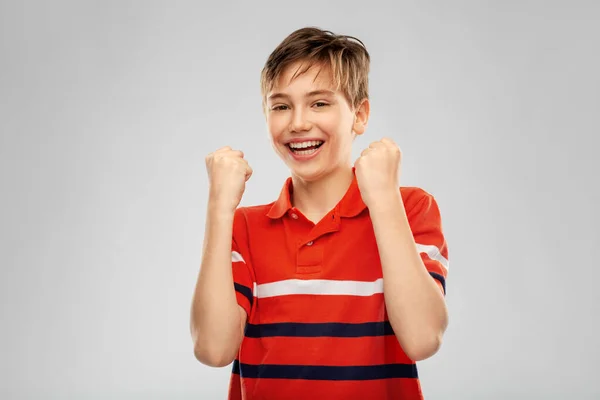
x=315 y=199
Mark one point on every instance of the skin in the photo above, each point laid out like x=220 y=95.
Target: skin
x=309 y=107
x=216 y=319
x=292 y=112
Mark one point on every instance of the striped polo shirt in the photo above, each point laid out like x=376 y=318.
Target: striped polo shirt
x=317 y=324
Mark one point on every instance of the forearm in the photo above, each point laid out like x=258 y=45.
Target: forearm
x=215 y=316
x=415 y=304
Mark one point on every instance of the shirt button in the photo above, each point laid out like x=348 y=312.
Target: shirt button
x=294 y=215
x=309 y=243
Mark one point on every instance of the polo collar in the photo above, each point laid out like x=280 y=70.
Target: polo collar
x=349 y=206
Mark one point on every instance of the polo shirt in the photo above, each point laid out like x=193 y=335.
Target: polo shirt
x=317 y=324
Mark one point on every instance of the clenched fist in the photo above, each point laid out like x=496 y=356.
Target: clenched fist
x=378 y=171
x=228 y=173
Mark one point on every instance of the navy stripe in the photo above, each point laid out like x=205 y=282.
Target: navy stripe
x=327 y=373
x=439 y=278
x=330 y=329
x=244 y=290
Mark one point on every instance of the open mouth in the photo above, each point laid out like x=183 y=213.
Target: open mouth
x=305 y=148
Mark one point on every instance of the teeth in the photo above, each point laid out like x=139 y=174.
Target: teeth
x=301 y=145
x=305 y=152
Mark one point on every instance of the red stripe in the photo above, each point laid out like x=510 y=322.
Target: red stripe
x=405 y=389
x=373 y=350
x=320 y=308
x=235 y=389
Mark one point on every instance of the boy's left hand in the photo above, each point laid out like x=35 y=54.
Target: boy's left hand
x=378 y=171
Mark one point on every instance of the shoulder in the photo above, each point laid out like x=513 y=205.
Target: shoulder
x=247 y=219
x=419 y=203
x=421 y=207
x=260 y=209
x=414 y=195
x=250 y=215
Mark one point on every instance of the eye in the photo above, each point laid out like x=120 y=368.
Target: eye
x=279 y=108
x=320 y=104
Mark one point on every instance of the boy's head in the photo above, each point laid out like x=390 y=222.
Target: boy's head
x=314 y=89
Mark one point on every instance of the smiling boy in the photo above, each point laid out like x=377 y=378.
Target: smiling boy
x=336 y=289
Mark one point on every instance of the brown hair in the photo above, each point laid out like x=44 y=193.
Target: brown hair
x=347 y=57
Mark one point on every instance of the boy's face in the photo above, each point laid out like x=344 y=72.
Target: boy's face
x=311 y=125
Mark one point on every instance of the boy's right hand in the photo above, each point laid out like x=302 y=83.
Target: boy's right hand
x=227 y=173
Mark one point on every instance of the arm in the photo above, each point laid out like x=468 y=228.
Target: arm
x=414 y=300
x=217 y=321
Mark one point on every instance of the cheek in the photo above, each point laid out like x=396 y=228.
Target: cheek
x=276 y=127
x=338 y=127
x=272 y=134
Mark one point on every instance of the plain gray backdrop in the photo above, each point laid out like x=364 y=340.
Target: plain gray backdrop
x=108 y=108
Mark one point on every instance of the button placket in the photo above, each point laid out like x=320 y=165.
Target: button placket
x=309 y=258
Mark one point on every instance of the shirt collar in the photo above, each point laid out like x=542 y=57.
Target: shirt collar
x=349 y=206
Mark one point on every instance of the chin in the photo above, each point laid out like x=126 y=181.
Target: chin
x=309 y=173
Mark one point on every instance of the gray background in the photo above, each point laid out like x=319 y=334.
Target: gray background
x=107 y=110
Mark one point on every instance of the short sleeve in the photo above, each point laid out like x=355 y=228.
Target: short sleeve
x=426 y=225
x=240 y=262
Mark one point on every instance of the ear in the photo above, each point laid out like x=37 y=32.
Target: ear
x=361 y=117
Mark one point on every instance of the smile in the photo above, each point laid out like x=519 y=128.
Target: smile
x=305 y=150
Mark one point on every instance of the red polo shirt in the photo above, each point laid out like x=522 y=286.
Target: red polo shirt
x=317 y=325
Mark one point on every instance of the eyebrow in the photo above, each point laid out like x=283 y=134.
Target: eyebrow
x=309 y=94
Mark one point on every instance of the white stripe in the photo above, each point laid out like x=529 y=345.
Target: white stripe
x=318 y=287
x=434 y=253
x=235 y=257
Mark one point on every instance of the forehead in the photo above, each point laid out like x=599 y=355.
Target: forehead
x=304 y=75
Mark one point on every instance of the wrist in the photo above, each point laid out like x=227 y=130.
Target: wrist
x=385 y=204
x=385 y=201
x=220 y=210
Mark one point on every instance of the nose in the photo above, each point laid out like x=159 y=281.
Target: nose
x=299 y=122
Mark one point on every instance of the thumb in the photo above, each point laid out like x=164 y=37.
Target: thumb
x=248 y=172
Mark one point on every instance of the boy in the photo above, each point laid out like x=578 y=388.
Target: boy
x=337 y=288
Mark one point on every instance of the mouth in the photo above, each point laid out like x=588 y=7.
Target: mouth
x=305 y=148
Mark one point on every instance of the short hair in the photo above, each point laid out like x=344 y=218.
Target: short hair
x=346 y=56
